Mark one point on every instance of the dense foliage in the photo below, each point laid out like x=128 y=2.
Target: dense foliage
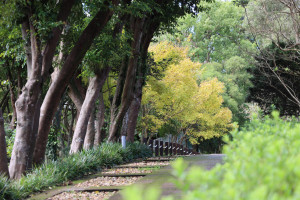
x=217 y=38
x=177 y=96
x=74 y=166
x=261 y=163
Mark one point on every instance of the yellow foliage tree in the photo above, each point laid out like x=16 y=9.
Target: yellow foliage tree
x=178 y=96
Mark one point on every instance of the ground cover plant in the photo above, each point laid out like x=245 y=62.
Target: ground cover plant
x=74 y=166
x=262 y=162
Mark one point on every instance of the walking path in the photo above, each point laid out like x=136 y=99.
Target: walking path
x=161 y=177
x=115 y=179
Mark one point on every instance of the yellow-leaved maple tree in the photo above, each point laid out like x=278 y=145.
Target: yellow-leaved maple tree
x=178 y=96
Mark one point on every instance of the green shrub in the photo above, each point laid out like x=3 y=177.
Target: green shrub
x=68 y=168
x=262 y=162
x=6 y=191
x=10 y=138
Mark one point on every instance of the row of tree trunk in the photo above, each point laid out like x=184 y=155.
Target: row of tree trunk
x=36 y=108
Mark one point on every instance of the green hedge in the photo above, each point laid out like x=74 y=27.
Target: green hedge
x=71 y=167
x=262 y=162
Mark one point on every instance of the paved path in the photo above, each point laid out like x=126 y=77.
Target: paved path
x=161 y=177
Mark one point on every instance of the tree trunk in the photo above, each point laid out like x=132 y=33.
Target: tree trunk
x=25 y=106
x=3 y=153
x=58 y=87
x=4 y=100
x=136 y=102
x=100 y=121
x=20 y=82
x=70 y=134
x=132 y=119
x=127 y=93
x=143 y=33
x=77 y=93
x=34 y=132
x=90 y=133
x=92 y=93
x=125 y=124
x=38 y=64
x=12 y=99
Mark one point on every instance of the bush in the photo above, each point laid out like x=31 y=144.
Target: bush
x=10 y=138
x=262 y=162
x=6 y=191
x=69 y=168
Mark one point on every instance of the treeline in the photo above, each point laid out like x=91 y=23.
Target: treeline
x=251 y=47
x=58 y=59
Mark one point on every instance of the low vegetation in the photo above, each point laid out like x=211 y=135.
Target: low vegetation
x=261 y=163
x=74 y=166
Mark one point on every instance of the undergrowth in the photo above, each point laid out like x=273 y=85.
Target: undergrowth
x=72 y=167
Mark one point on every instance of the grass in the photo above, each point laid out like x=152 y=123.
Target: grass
x=72 y=167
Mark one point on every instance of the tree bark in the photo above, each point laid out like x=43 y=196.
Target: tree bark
x=127 y=92
x=144 y=30
x=26 y=105
x=58 y=87
x=90 y=133
x=77 y=93
x=20 y=82
x=3 y=153
x=12 y=100
x=34 y=132
x=136 y=102
x=125 y=124
x=100 y=121
x=132 y=119
x=92 y=93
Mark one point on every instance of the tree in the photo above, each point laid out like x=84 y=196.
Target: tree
x=39 y=60
x=217 y=38
x=3 y=153
x=234 y=73
x=40 y=50
x=274 y=26
x=215 y=34
x=69 y=67
x=197 y=108
x=161 y=17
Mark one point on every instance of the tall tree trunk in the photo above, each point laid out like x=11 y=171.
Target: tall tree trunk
x=127 y=93
x=38 y=64
x=25 y=106
x=77 y=92
x=70 y=134
x=57 y=126
x=100 y=121
x=125 y=124
x=4 y=100
x=12 y=100
x=3 y=153
x=138 y=88
x=92 y=93
x=20 y=82
x=90 y=133
x=136 y=102
x=34 y=132
x=132 y=119
x=58 y=87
